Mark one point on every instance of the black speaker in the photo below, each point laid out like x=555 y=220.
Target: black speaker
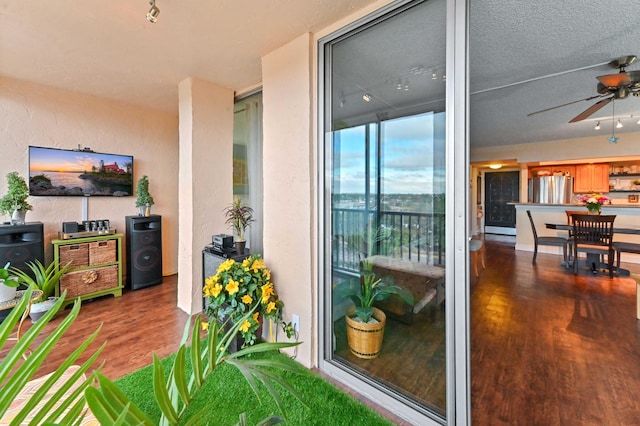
x=144 y=251
x=20 y=244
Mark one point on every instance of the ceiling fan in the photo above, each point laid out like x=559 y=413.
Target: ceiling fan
x=619 y=86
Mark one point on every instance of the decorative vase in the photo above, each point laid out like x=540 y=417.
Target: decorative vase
x=240 y=246
x=18 y=217
x=142 y=210
x=365 y=340
x=7 y=293
x=595 y=210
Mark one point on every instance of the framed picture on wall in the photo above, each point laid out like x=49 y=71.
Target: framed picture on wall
x=633 y=198
x=479 y=190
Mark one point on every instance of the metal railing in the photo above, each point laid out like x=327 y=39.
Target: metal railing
x=358 y=233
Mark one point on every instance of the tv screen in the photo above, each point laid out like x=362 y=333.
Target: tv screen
x=79 y=173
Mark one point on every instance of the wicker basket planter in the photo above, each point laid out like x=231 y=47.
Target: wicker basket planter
x=365 y=340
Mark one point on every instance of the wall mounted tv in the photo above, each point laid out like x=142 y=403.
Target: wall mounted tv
x=55 y=172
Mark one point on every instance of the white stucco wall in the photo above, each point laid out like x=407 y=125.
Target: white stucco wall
x=42 y=116
x=206 y=173
x=289 y=164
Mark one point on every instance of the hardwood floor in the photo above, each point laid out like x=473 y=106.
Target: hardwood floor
x=134 y=326
x=552 y=348
x=547 y=347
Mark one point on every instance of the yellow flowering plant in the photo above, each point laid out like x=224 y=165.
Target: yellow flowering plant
x=240 y=287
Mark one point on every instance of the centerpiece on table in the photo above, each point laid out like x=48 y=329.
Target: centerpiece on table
x=240 y=287
x=594 y=202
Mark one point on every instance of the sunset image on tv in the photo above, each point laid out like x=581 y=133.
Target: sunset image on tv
x=79 y=173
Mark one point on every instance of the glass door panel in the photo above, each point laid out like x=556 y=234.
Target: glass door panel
x=385 y=91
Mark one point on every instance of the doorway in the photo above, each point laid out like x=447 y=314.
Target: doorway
x=500 y=189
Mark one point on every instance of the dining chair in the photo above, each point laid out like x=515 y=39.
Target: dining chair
x=546 y=241
x=569 y=214
x=593 y=234
x=621 y=246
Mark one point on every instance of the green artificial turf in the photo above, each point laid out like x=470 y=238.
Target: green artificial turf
x=227 y=395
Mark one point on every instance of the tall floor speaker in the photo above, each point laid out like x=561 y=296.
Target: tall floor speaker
x=144 y=251
x=20 y=244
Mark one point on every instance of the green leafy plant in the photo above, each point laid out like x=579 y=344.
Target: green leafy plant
x=6 y=277
x=142 y=191
x=238 y=216
x=16 y=197
x=44 y=279
x=240 y=287
x=25 y=358
x=368 y=289
x=174 y=392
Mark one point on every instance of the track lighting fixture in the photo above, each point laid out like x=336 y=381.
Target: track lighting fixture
x=619 y=125
x=152 y=14
x=639 y=121
x=597 y=126
x=366 y=97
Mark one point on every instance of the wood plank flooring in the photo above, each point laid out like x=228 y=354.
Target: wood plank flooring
x=547 y=347
x=552 y=348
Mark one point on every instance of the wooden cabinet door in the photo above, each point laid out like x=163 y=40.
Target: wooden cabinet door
x=600 y=178
x=582 y=181
x=591 y=178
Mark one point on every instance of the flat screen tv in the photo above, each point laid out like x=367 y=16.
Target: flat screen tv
x=54 y=172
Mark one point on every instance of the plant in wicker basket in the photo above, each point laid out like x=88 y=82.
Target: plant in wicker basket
x=365 y=323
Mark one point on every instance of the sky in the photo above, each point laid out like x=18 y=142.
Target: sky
x=60 y=160
x=407 y=153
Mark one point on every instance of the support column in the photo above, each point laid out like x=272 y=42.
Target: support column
x=205 y=179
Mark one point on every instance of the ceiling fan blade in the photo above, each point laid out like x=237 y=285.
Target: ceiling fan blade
x=591 y=110
x=615 y=80
x=564 y=105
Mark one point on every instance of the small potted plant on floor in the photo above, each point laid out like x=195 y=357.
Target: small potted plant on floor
x=15 y=201
x=8 y=284
x=365 y=323
x=144 y=200
x=44 y=279
x=238 y=216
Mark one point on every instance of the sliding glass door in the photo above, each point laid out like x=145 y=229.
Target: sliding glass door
x=385 y=207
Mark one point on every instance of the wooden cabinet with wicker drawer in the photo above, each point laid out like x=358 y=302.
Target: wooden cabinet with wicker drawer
x=96 y=268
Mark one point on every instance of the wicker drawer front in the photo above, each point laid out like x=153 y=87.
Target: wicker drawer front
x=78 y=254
x=102 y=252
x=88 y=281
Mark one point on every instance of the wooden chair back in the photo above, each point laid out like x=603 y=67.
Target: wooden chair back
x=593 y=230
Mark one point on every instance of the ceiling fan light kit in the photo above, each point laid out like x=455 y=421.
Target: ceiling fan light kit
x=614 y=86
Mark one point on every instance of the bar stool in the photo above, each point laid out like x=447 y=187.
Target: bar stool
x=476 y=247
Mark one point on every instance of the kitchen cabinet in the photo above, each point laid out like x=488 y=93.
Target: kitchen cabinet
x=591 y=178
x=96 y=266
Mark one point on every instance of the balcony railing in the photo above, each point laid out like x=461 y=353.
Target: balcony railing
x=359 y=233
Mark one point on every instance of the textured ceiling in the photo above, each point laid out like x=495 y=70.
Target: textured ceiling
x=108 y=49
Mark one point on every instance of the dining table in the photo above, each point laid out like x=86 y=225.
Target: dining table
x=594 y=259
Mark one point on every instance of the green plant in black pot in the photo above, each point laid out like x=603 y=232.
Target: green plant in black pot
x=15 y=201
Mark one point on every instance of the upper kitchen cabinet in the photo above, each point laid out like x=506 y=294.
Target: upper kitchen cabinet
x=591 y=178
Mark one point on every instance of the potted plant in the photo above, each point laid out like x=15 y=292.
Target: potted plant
x=8 y=284
x=15 y=201
x=44 y=279
x=238 y=216
x=144 y=200
x=241 y=287
x=365 y=323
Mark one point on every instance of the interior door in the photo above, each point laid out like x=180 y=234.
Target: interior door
x=500 y=189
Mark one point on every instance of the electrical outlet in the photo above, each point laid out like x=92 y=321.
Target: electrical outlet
x=295 y=322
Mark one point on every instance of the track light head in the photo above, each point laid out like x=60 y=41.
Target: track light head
x=152 y=14
x=619 y=125
x=597 y=126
